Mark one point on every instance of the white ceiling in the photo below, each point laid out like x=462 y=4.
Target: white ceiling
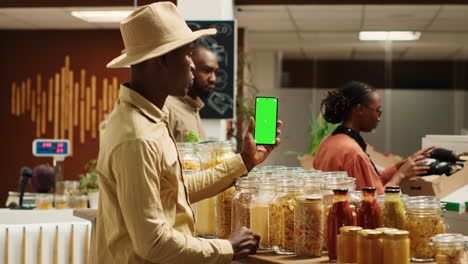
x=331 y=31
x=307 y=31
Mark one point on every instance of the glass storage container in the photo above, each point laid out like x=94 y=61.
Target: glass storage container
x=312 y=183
x=393 y=212
x=450 y=248
x=222 y=151
x=331 y=181
x=340 y=215
x=368 y=213
x=61 y=201
x=191 y=164
x=370 y=249
x=259 y=223
x=424 y=221
x=44 y=201
x=282 y=210
x=191 y=160
x=241 y=203
x=396 y=247
x=308 y=226
x=347 y=242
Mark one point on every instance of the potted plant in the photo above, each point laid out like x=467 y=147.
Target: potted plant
x=319 y=130
x=89 y=184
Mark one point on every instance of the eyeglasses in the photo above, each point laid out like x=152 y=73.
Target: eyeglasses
x=378 y=111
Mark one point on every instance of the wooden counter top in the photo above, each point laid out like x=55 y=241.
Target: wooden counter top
x=269 y=257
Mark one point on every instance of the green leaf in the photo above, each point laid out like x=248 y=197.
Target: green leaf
x=319 y=130
x=192 y=136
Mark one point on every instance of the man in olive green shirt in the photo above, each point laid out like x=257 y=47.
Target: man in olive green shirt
x=144 y=213
x=184 y=110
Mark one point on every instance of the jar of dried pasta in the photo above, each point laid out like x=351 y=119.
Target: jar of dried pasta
x=222 y=151
x=285 y=199
x=423 y=222
x=450 y=248
x=308 y=226
x=191 y=160
x=265 y=192
x=196 y=157
x=241 y=203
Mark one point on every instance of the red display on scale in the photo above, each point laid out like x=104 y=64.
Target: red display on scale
x=46 y=145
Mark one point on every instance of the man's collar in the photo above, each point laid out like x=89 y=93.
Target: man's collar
x=142 y=104
x=197 y=103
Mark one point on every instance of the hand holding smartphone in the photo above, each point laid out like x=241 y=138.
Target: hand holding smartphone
x=266 y=117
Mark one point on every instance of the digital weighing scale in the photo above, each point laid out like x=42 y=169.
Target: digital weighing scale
x=58 y=149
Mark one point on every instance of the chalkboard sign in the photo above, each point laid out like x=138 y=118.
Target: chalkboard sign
x=221 y=102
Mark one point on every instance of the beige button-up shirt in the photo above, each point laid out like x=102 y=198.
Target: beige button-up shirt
x=184 y=116
x=144 y=213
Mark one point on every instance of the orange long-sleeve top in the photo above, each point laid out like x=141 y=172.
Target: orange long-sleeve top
x=340 y=152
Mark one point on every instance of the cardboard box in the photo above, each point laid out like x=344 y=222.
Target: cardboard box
x=382 y=160
x=435 y=185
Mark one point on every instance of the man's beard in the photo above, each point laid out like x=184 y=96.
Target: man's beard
x=200 y=91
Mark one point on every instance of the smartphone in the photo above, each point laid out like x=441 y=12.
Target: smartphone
x=266 y=116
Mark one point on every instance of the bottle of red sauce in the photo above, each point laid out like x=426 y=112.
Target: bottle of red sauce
x=340 y=215
x=368 y=213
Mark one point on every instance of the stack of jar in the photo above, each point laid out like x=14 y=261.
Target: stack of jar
x=213 y=214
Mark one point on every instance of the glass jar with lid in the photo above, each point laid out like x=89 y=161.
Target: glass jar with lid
x=396 y=247
x=205 y=212
x=312 y=183
x=265 y=192
x=340 y=215
x=308 y=226
x=241 y=203
x=370 y=249
x=191 y=160
x=346 y=245
x=338 y=181
x=450 y=248
x=335 y=180
x=207 y=153
x=213 y=153
x=271 y=170
x=368 y=213
x=291 y=172
x=423 y=222
x=282 y=209
x=393 y=211
x=222 y=151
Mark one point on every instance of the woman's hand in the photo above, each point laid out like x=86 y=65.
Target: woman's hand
x=410 y=168
x=417 y=155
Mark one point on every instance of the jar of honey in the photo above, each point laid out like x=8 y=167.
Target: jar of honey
x=370 y=247
x=396 y=247
x=347 y=241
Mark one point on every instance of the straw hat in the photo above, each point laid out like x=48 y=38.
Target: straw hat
x=154 y=30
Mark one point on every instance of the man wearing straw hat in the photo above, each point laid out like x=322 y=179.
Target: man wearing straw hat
x=144 y=213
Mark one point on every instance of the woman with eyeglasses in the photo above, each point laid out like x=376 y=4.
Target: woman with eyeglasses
x=358 y=107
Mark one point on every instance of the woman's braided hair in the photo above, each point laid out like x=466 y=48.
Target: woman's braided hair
x=338 y=104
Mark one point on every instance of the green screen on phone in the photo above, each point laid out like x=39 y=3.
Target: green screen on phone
x=266 y=113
